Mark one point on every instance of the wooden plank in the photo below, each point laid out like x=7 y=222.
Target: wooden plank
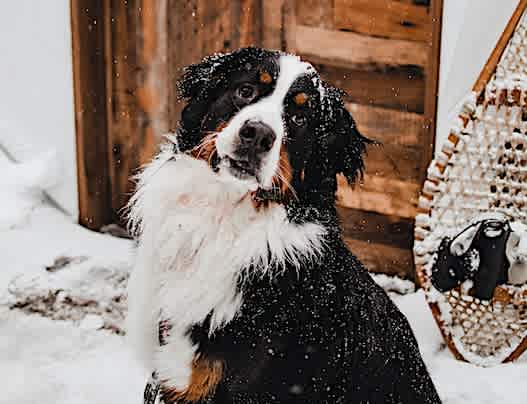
x=388 y=126
x=381 y=258
x=272 y=27
x=184 y=39
x=89 y=78
x=289 y=22
x=495 y=56
x=250 y=25
x=136 y=105
x=376 y=228
x=123 y=114
x=380 y=194
x=152 y=92
x=349 y=49
x=384 y=18
x=216 y=25
x=431 y=89
x=315 y=13
x=403 y=163
x=401 y=88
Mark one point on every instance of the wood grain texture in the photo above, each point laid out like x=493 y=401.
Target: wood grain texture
x=272 y=24
x=326 y=46
x=250 y=25
x=382 y=258
x=217 y=21
x=388 y=126
x=152 y=52
x=401 y=88
x=383 y=195
x=376 y=228
x=403 y=163
x=136 y=115
x=289 y=22
x=184 y=37
x=89 y=77
x=315 y=13
x=384 y=18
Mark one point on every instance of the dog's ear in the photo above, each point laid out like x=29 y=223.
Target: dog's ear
x=199 y=78
x=195 y=88
x=346 y=145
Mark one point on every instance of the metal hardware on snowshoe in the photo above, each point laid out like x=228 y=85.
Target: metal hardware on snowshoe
x=478 y=254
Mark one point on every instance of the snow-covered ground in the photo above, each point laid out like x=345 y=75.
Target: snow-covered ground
x=70 y=361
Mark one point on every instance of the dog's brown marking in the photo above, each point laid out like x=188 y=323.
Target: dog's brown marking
x=281 y=182
x=284 y=175
x=265 y=77
x=257 y=202
x=222 y=125
x=301 y=98
x=205 y=377
x=206 y=149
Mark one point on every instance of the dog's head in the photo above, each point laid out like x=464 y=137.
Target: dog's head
x=266 y=119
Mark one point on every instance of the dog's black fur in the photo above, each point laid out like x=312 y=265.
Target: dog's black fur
x=326 y=333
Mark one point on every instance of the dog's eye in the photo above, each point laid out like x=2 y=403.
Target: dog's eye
x=299 y=120
x=246 y=92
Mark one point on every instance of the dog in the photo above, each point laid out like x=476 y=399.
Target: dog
x=243 y=290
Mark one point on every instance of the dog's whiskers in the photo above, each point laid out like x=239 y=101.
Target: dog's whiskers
x=209 y=139
x=285 y=181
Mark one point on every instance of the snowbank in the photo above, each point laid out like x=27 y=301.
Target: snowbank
x=48 y=361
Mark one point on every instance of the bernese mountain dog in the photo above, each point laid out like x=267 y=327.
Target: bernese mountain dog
x=243 y=290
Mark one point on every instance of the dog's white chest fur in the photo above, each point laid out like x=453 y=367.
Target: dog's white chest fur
x=198 y=232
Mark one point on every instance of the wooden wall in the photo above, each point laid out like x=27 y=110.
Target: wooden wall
x=128 y=55
x=120 y=87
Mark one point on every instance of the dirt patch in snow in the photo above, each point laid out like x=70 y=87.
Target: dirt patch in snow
x=79 y=289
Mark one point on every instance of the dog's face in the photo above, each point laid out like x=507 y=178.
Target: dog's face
x=266 y=120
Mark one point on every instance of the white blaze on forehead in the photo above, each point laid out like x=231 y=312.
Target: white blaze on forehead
x=268 y=110
x=291 y=67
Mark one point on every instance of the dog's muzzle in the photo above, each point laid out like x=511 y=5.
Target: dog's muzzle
x=255 y=141
x=257 y=137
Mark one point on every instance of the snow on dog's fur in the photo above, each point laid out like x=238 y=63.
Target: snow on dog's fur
x=199 y=233
x=240 y=255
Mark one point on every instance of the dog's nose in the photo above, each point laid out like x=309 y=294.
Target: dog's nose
x=257 y=135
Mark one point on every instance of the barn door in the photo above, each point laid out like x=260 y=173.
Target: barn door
x=129 y=54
